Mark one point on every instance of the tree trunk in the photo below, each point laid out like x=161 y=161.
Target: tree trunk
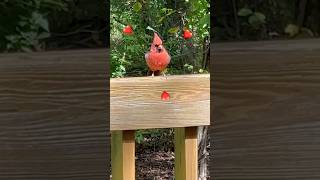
x=203 y=152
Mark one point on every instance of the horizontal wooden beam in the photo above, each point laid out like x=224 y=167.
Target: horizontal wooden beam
x=266 y=112
x=135 y=103
x=273 y=47
x=53 y=115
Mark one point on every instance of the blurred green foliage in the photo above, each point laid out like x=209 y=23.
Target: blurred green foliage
x=167 y=17
x=266 y=19
x=24 y=23
x=37 y=25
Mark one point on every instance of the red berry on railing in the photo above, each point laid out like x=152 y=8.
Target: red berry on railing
x=165 y=96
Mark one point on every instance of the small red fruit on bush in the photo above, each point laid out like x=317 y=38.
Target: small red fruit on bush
x=187 y=34
x=128 y=30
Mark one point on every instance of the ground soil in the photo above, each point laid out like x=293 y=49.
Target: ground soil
x=155 y=165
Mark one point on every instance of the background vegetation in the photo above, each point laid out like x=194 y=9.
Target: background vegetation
x=168 y=17
x=39 y=25
x=266 y=19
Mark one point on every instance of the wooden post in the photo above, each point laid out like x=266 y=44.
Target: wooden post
x=186 y=153
x=123 y=155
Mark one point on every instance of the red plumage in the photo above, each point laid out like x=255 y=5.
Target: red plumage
x=157 y=58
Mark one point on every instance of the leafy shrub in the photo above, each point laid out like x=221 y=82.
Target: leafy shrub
x=169 y=19
x=37 y=25
x=155 y=139
x=26 y=23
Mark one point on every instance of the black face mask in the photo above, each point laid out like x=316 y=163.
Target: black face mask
x=159 y=49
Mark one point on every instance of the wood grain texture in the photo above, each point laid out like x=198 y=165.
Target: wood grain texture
x=186 y=153
x=116 y=155
x=123 y=155
x=136 y=103
x=129 y=157
x=191 y=148
x=179 y=154
x=54 y=115
x=266 y=102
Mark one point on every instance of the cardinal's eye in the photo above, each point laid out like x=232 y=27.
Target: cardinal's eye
x=157 y=45
x=159 y=49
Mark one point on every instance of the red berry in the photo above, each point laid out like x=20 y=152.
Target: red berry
x=128 y=30
x=165 y=96
x=187 y=34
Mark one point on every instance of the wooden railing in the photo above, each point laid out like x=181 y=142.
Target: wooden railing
x=266 y=110
x=53 y=115
x=136 y=104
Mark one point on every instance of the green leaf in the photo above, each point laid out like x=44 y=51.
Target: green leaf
x=41 y=21
x=204 y=20
x=161 y=19
x=173 y=30
x=170 y=12
x=292 y=30
x=139 y=137
x=257 y=19
x=43 y=35
x=163 y=10
x=11 y=38
x=29 y=36
x=244 y=12
x=122 y=68
x=253 y=20
x=189 y=67
x=260 y=16
x=137 y=6
x=22 y=23
x=150 y=28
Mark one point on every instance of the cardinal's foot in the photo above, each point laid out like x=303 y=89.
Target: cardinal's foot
x=164 y=75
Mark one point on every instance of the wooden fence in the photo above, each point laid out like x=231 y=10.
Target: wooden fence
x=53 y=115
x=266 y=95
x=266 y=110
x=136 y=104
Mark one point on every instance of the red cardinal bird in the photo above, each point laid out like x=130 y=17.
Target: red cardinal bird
x=157 y=58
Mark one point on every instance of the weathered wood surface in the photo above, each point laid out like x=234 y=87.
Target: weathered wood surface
x=54 y=115
x=186 y=153
x=136 y=103
x=123 y=155
x=266 y=104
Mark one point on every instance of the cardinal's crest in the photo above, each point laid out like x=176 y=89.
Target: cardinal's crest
x=156 y=39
